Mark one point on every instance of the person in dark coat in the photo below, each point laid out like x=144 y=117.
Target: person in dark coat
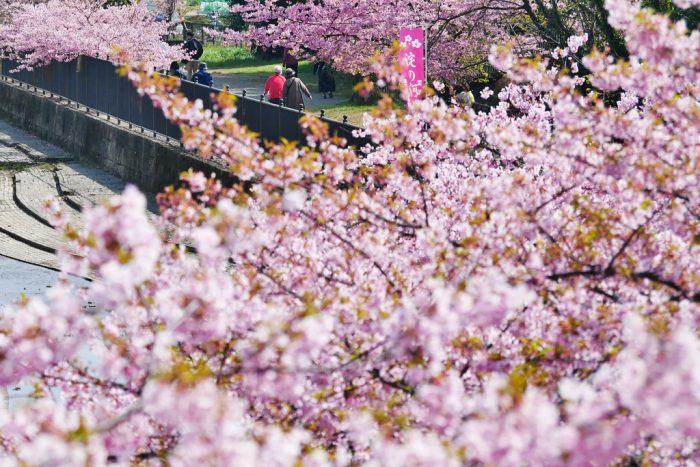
x=289 y=60
x=318 y=66
x=326 y=82
x=294 y=90
x=194 y=51
x=203 y=76
x=176 y=72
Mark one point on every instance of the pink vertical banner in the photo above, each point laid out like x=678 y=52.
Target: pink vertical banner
x=412 y=60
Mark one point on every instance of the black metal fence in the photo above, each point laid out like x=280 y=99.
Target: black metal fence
x=95 y=84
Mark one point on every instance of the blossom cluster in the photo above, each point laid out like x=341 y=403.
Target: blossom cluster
x=518 y=286
x=349 y=34
x=35 y=33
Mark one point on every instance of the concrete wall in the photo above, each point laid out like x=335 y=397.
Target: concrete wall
x=131 y=156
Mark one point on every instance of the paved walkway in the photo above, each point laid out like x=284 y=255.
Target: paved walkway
x=254 y=87
x=19 y=225
x=36 y=184
x=23 y=147
x=32 y=171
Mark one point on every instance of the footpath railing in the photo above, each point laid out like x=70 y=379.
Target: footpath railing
x=96 y=85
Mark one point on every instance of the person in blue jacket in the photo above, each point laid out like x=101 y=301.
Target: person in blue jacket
x=203 y=76
x=175 y=71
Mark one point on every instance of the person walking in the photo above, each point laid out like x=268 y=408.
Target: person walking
x=203 y=76
x=194 y=51
x=294 y=90
x=318 y=66
x=326 y=82
x=274 y=85
x=289 y=60
x=175 y=71
x=464 y=96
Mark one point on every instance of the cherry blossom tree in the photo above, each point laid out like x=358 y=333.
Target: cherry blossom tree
x=348 y=34
x=459 y=32
x=65 y=29
x=169 y=7
x=516 y=286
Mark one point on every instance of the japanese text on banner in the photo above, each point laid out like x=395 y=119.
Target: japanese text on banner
x=412 y=60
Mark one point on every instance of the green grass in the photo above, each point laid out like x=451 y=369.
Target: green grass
x=15 y=167
x=255 y=67
x=217 y=56
x=353 y=111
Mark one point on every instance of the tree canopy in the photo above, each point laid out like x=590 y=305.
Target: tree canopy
x=502 y=287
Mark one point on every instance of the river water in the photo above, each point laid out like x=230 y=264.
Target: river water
x=17 y=278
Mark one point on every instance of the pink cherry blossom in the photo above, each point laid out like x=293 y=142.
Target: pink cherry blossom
x=504 y=286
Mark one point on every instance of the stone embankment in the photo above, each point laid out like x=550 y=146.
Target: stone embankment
x=133 y=154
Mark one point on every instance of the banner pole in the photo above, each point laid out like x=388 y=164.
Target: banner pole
x=425 y=55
